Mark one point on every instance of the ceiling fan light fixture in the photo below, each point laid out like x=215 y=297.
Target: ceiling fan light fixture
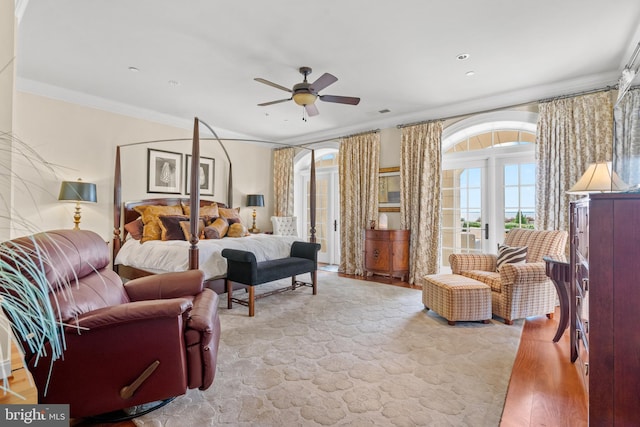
x=304 y=98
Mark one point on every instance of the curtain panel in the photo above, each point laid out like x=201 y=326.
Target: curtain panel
x=572 y=133
x=358 y=165
x=283 y=181
x=420 y=182
x=626 y=149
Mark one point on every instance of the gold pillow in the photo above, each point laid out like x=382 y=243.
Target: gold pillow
x=232 y=215
x=186 y=229
x=151 y=220
x=237 y=230
x=208 y=210
x=217 y=229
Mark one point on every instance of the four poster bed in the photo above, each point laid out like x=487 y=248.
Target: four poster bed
x=132 y=259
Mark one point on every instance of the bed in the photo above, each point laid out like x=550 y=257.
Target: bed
x=132 y=259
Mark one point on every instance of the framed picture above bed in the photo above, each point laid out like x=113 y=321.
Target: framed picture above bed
x=164 y=172
x=207 y=173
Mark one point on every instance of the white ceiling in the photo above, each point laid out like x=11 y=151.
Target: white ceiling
x=398 y=55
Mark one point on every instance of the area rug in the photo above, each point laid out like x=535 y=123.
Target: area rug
x=357 y=354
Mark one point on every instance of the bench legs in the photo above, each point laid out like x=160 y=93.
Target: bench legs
x=251 y=300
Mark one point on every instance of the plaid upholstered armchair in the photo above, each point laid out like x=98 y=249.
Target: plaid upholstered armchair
x=517 y=290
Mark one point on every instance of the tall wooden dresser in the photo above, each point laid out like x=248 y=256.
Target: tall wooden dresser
x=605 y=257
x=387 y=252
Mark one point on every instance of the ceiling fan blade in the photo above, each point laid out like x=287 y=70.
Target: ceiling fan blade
x=312 y=110
x=272 y=84
x=340 y=99
x=323 y=81
x=274 y=102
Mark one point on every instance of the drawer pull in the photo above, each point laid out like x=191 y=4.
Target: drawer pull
x=586 y=368
x=585 y=284
x=586 y=326
x=578 y=334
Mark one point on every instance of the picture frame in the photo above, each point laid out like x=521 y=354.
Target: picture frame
x=164 y=172
x=389 y=189
x=207 y=176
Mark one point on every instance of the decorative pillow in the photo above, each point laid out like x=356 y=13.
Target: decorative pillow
x=185 y=227
x=171 y=226
x=150 y=218
x=237 y=230
x=134 y=228
x=208 y=210
x=511 y=255
x=217 y=229
x=230 y=214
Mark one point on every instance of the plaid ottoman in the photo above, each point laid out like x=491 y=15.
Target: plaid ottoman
x=456 y=297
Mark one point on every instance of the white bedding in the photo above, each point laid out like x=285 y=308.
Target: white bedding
x=173 y=255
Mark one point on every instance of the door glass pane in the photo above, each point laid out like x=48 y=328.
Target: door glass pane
x=461 y=211
x=322 y=214
x=519 y=196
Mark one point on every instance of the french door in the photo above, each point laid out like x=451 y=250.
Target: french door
x=327 y=214
x=483 y=197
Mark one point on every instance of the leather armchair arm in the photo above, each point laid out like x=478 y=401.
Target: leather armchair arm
x=116 y=315
x=528 y=273
x=166 y=285
x=205 y=307
x=466 y=262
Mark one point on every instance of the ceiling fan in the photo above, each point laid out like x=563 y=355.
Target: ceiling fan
x=305 y=93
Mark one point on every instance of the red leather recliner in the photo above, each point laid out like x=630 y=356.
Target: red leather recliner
x=146 y=341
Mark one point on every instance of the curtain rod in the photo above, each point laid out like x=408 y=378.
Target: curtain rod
x=215 y=139
x=337 y=137
x=491 y=110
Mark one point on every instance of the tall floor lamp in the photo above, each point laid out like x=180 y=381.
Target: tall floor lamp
x=255 y=200
x=77 y=191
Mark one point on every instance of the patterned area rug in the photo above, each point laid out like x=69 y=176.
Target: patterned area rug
x=357 y=354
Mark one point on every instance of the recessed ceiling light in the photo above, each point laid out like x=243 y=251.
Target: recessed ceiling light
x=463 y=56
x=133 y=69
x=173 y=83
x=469 y=73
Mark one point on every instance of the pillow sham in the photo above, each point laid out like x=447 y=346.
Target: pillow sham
x=185 y=227
x=171 y=227
x=134 y=228
x=510 y=255
x=208 y=210
x=231 y=215
x=150 y=218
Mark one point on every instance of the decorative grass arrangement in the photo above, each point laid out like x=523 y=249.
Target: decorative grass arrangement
x=24 y=286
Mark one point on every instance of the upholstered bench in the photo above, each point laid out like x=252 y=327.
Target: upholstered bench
x=457 y=298
x=243 y=268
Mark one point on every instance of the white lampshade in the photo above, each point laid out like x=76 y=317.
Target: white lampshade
x=599 y=178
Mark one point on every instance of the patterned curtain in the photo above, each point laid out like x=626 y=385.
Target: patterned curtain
x=572 y=134
x=283 y=181
x=420 y=181
x=626 y=149
x=358 y=165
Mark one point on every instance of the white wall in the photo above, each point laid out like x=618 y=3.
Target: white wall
x=80 y=142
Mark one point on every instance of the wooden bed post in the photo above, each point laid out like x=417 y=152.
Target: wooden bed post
x=117 y=208
x=194 y=198
x=312 y=198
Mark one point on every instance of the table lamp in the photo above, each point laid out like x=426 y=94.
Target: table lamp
x=77 y=191
x=598 y=178
x=254 y=200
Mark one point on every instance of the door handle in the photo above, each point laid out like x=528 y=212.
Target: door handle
x=486 y=231
x=335 y=225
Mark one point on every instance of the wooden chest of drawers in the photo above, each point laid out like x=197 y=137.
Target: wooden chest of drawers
x=387 y=252
x=579 y=258
x=605 y=251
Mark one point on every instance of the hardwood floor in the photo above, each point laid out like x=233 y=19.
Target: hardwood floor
x=545 y=388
